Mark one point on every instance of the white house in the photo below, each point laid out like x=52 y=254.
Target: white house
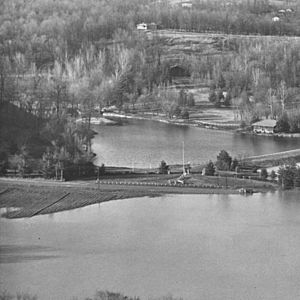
x=142 y=26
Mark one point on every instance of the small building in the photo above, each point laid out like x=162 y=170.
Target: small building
x=186 y=4
x=264 y=126
x=142 y=26
x=276 y=19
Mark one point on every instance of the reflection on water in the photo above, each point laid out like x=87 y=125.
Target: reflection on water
x=194 y=246
x=145 y=143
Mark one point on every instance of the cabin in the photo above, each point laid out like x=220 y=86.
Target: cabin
x=264 y=126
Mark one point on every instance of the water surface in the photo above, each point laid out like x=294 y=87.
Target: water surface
x=145 y=143
x=208 y=247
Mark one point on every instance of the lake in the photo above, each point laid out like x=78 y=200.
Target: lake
x=211 y=247
x=141 y=143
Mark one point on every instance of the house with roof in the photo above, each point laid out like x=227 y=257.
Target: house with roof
x=264 y=126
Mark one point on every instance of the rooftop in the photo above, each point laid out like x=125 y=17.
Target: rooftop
x=265 y=123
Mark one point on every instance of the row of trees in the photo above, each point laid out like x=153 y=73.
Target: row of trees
x=289 y=176
x=289 y=122
x=46 y=26
x=224 y=163
x=260 y=79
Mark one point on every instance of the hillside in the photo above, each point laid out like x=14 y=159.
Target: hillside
x=17 y=129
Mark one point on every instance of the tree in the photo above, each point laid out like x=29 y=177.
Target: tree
x=273 y=175
x=282 y=125
x=286 y=176
x=223 y=161
x=234 y=164
x=190 y=100
x=227 y=100
x=163 y=167
x=264 y=174
x=210 y=169
x=297 y=178
x=182 y=100
x=212 y=97
x=221 y=83
x=220 y=95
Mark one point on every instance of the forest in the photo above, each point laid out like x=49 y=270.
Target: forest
x=62 y=57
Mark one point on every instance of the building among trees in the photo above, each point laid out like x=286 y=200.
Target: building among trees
x=264 y=126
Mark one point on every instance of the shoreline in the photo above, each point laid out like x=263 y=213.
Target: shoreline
x=36 y=197
x=200 y=124
x=179 y=122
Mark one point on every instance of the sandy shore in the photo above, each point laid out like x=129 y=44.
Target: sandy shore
x=34 y=197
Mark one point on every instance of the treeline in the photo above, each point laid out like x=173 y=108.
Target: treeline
x=40 y=27
x=243 y=17
x=260 y=79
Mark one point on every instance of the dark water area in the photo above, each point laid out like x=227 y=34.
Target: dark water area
x=211 y=247
x=141 y=143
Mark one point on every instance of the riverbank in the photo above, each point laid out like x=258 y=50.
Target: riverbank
x=180 y=122
x=20 y=198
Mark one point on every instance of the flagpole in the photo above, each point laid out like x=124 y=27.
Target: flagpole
x=183 y=157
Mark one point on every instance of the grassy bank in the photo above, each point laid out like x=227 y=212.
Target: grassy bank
x=35 y=197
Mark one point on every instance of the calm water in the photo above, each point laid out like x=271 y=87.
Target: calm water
x=208 y=247
x=146 y=143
